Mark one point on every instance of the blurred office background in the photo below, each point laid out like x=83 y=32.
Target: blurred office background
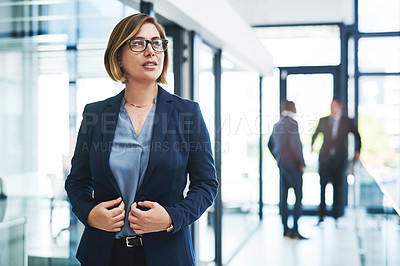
x=238 y=59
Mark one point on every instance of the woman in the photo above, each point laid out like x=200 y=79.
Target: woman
x=132 y=157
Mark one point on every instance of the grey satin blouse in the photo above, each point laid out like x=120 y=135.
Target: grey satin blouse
x=129 y=158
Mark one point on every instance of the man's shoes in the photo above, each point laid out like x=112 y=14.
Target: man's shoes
x=321 y=219
x=293 y=234
x=287 y=233
x=336 y=223
x=298 y=236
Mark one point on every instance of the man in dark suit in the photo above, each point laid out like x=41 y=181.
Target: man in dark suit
x=286 y=147
x=333 y=156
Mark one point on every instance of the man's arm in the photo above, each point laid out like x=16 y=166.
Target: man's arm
x=314 y=136
x=357 y=137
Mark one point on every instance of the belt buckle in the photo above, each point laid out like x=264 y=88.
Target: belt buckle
x=133 y=237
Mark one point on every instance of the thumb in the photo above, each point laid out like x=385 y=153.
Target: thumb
x=112 y=203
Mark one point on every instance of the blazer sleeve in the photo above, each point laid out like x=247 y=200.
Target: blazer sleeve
x=79 y=183
x=271 y=145
x=353 y=129
x=317 y=130
x=200 y=167
x=295 y=143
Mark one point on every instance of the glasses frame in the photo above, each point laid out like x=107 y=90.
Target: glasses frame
x=149 y=42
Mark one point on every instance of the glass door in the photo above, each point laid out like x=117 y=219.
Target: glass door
x=312 y=92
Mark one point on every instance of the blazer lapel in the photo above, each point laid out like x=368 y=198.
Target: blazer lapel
x=109 y=119
x=160 y=127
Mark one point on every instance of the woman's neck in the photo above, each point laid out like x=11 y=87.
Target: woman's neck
x=140 y=94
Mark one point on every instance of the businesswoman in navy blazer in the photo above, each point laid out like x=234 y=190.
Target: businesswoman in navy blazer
x=134 y=155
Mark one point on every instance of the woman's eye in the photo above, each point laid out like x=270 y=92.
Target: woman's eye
x=137 y=43
x=157 y=43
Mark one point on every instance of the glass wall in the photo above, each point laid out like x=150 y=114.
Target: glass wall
x=206 y=100
x=240 y=154
x=375 y=17
x=379 y=54
x=379 y=124
x=379 y=95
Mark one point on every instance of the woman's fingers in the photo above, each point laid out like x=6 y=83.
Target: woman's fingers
x=119 y=217
x=111 y=203
x=108 y=216
x=118 y=210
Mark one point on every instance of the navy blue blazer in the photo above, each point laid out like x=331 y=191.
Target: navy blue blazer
x=180 y=146
x=339 y=143
x=285 y=144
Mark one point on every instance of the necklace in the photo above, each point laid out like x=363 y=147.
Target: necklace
x=139 y=106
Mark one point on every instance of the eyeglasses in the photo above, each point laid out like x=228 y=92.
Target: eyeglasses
x=139 y=45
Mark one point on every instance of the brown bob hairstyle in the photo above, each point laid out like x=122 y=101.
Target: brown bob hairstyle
x=125 y=30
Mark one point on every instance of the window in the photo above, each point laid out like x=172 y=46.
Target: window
x=379 y=16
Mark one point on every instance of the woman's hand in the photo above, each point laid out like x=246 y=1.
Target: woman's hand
x=155 y=219
x=108 y=216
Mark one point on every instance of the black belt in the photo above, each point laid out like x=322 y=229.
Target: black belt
x=129 y=242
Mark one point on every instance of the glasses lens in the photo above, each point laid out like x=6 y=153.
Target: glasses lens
x=159 y=45
x=137 y=45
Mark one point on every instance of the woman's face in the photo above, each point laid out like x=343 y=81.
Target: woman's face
x=145 y=66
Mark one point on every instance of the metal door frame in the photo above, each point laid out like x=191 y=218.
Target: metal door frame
x=339 y=91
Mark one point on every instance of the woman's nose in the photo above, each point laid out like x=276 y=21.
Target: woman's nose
x=149 y=50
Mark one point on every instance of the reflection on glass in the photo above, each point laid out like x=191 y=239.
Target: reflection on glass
x=90 y=62
x=379 y=125
x=312 y=95
x=240 y=157
x=379 y=54
x=98 y=18
x=207 y=102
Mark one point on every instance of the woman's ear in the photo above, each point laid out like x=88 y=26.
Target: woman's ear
x=119 y=62
x=119 y=59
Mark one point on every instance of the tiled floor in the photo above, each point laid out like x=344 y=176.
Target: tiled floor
x=357 y=240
